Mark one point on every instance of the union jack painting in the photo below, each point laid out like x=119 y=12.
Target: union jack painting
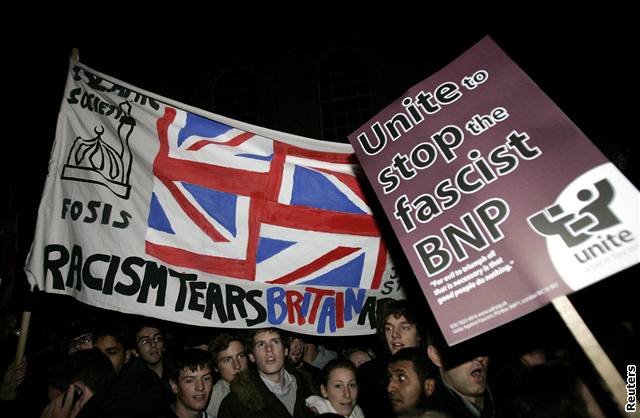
x=243 y=206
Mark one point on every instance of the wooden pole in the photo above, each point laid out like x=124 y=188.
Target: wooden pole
x=22 y=339
x=594 y=352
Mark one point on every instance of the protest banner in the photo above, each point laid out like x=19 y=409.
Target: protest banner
x=499 y=201
x=156 y=208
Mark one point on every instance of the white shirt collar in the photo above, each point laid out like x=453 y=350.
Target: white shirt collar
x=281 y=388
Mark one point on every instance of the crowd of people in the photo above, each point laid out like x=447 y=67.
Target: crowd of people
x=136 y=367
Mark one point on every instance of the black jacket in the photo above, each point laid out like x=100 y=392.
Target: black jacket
x=138 y=393
x=372 y=388
x=451 y=404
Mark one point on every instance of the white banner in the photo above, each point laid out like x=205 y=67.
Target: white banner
x=156 y=208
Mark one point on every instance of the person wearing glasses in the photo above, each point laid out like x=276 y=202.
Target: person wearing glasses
x=149 y=346
x=79 y=336
x=81 y=342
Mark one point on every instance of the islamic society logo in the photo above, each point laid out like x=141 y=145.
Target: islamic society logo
x=104 y=160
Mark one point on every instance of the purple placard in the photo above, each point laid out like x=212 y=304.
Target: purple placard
x=499 y=201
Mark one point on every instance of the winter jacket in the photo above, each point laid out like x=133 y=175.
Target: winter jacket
x=250 y=398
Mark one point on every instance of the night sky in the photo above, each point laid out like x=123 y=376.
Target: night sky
x=585 y=69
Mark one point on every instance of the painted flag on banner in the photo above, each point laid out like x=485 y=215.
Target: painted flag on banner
x=157 y=208
x=234 y=203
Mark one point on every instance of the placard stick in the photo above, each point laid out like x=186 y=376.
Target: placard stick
x=22 y=339
x=594 y=351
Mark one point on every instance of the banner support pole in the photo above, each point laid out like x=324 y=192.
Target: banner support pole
x=594 y=352
x=22 y=339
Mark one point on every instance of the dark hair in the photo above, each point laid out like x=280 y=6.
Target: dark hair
x=144 y=321
x=250 y=339
x=118 y=330
x=78 y=327
x=452 y=356
x=337 y=363
x=348 y=351
x=398 y=308
x=423 y=367
x=550 y=390
x=90 y=367
x=221 y=343
x=74 y=329
x=191 y=359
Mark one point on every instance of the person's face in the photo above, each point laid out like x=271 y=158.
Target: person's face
x=296 y=350
x=400 y=333
x=534 y=358
x=112 y=349
x=469 y=379
x=193 y=389
x=341 y=390
x=150 y=344
x=81 y=342
x=231 y=361
x=268 y=353
x=405 y=389
x=359 y=357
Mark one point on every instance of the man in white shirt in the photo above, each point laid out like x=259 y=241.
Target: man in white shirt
x=191 y=383
x=270 y=390
x=229 y=358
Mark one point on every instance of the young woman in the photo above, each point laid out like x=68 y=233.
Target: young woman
x=358 y=355
x=339 y=390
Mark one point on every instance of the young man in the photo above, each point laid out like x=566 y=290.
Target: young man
x=462 y=389
x=229 y=358
x=150 y=350
x=149 y=345
x=411 y=381
x=110 y=338
x=136 y=391
x=398 y=327
x=79 y=336
x=191 y=382
x=316 y=354
x=270 y=391
x=295 y=359
x=81 y=379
